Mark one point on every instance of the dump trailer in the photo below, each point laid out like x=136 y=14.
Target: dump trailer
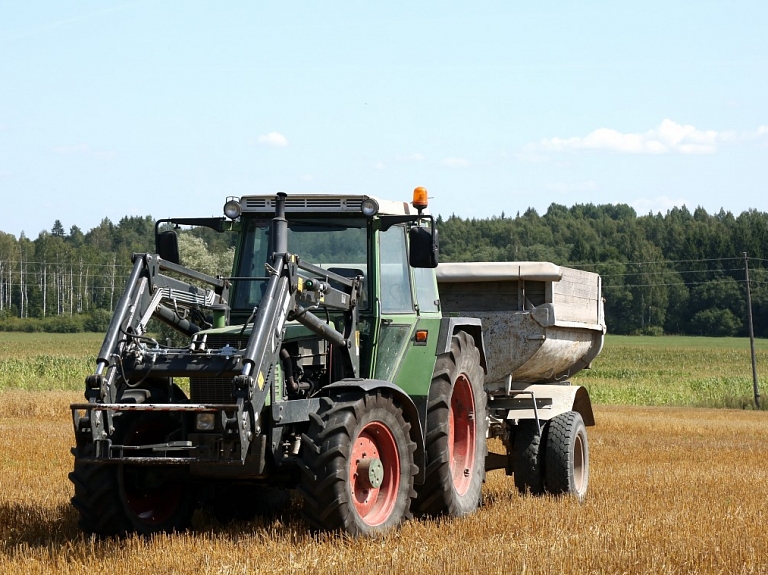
x=338 y=361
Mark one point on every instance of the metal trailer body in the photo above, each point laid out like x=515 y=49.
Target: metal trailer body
x=542 y=324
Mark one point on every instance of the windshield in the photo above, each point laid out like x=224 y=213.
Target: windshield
x=337 y=244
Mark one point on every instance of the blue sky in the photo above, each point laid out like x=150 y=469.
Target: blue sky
x=167 y=108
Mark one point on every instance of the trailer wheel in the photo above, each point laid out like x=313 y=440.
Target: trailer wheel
x=117 y=499
x=567 y=456
x=527 y=458
x=456 y=432
x=358 y=465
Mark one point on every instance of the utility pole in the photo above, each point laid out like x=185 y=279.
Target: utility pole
x=751 y=333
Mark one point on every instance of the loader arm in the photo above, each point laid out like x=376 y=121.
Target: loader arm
x=292 y=290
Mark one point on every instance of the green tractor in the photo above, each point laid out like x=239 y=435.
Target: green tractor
x=325 y=364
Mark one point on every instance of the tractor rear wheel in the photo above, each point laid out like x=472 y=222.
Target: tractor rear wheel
x=566 y=464
x=456 y=432
x=358 y=467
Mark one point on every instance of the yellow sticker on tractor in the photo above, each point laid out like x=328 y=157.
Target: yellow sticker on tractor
x=260 y=380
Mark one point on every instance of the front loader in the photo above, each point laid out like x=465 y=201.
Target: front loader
x=323 y=365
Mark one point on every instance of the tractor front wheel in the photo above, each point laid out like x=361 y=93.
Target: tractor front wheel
x=117 y=499
x=358 y=467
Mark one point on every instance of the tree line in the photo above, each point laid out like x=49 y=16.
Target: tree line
x=679 y=273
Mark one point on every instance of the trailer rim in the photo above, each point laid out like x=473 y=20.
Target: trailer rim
x=579 y=467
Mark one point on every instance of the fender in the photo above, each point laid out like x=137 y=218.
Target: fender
x=551 y=401
x=449 y=326
x=410 y=412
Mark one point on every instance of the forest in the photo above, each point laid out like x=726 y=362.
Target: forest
x=681 y=272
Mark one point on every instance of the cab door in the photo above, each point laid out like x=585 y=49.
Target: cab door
x=407 y=330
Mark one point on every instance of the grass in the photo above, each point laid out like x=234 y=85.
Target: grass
x=47 y=361
x=669 y=370
x=631 y=370
x=672 y=490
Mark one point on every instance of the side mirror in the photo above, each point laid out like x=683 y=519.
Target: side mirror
x=425 y=252
x=167 y=246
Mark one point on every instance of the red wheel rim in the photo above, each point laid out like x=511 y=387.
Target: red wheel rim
x=374 y=503
x=461 y=435
x=147 y=494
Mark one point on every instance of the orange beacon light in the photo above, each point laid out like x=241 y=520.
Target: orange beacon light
x=420 y=200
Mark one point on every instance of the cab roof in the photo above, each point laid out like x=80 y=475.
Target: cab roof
x=322 y=203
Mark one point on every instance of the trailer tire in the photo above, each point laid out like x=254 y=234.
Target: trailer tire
x=118 y=499
x=567 y=456
x=357 y=465
x=456 y=433
x=527 y=458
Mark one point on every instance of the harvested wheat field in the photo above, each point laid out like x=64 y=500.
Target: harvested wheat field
x=672 y=490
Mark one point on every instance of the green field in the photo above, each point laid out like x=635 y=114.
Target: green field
x=631 y=370
x=47 y=361
x=672 y=370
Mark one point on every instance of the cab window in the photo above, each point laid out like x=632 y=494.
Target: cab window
x=394 y=274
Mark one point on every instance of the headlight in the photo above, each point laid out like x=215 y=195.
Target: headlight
x=205 y=422
x=370 y=207
x=232 y=209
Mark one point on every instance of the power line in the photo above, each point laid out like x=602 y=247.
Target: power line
x=662 y=272
x=619 y=262
x=674 y=284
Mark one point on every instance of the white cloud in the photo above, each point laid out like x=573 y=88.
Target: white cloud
x=5 y=173
x=658 y=204
x=416 y=157
x=379 y=166
x=567 y=187
x=86 y=150
x=273 y=140
x=72 y=149
x=306 y=178
x=455 y=162
x=668 y=137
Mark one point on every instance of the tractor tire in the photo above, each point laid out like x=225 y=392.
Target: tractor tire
x=566 y=464
x=528 y=458
x=97 y=501
x=456 y=433
x=357 y=465
x=245 y=502
x=118 y=499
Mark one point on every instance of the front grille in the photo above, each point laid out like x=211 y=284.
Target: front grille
x=211 y=390
x=216 y=389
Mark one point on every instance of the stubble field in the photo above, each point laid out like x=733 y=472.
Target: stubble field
x=672 y=490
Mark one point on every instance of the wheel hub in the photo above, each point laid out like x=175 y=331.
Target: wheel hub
x=370 y=473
